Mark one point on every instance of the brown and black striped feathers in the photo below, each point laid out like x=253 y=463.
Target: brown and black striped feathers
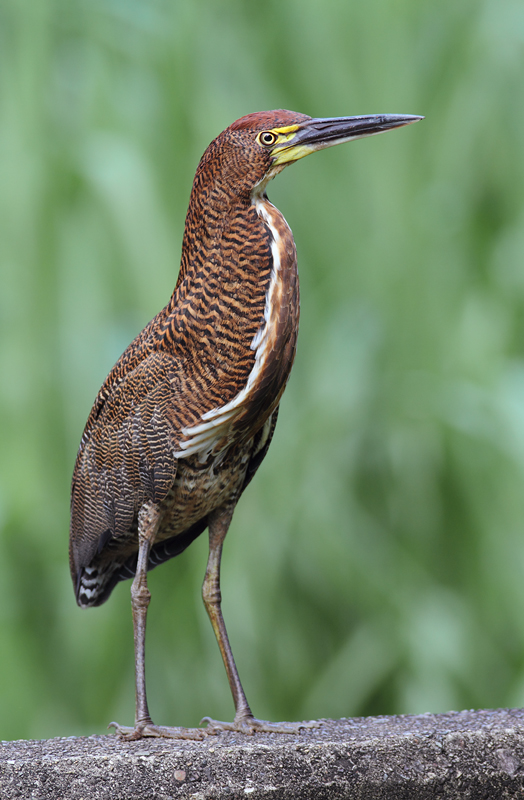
x=187 y=413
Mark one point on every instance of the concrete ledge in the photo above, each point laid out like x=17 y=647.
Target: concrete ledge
x=471 y=754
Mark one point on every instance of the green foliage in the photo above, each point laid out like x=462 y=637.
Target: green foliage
x=376 y=563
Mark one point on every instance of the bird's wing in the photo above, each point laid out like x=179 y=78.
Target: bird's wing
x=126 y=456
x=168 y=548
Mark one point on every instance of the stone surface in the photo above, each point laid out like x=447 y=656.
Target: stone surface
x=470 y=754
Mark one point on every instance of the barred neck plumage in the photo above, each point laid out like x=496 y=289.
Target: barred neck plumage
x=218 y=204
x=219 y=299
x=245 y=265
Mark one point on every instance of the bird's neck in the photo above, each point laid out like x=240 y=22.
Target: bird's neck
x=226 y=258
x=212 y=218
x=235 y=306
x=232 y=247
x=234 y=316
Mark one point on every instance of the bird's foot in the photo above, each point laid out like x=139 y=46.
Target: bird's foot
x=148 y=728
x=250 y=725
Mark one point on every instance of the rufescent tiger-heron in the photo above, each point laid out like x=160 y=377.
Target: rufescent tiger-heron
x=186 y=415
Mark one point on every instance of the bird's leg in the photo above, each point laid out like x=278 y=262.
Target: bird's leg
x=244 y=720
x=148 y=520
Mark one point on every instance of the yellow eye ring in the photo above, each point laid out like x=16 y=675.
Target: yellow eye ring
x=267 y=138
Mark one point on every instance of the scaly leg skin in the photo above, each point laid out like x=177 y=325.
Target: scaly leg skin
x=148 y=520
x=244 y=721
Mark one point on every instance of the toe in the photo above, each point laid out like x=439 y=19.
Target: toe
x=150 y=730
x=250 y=725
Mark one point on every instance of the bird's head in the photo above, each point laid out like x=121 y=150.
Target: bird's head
x=255 y=148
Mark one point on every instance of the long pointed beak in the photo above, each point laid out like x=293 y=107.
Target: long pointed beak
x=316 y=134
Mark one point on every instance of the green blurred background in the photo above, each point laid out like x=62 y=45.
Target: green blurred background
x=376 y=563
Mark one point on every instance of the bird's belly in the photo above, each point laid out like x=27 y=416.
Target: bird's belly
x=200 y=488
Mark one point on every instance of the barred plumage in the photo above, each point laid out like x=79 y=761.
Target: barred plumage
x=186 y=415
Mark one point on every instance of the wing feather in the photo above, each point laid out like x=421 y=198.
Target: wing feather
x=126 y=458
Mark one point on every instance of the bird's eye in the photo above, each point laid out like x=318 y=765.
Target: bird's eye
x=267 y=138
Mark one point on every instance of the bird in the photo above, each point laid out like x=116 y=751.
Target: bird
x=186 y=416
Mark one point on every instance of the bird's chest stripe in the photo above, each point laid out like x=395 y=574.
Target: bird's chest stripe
x=217 y=424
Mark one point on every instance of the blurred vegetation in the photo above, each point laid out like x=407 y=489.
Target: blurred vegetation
x=376 y=563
